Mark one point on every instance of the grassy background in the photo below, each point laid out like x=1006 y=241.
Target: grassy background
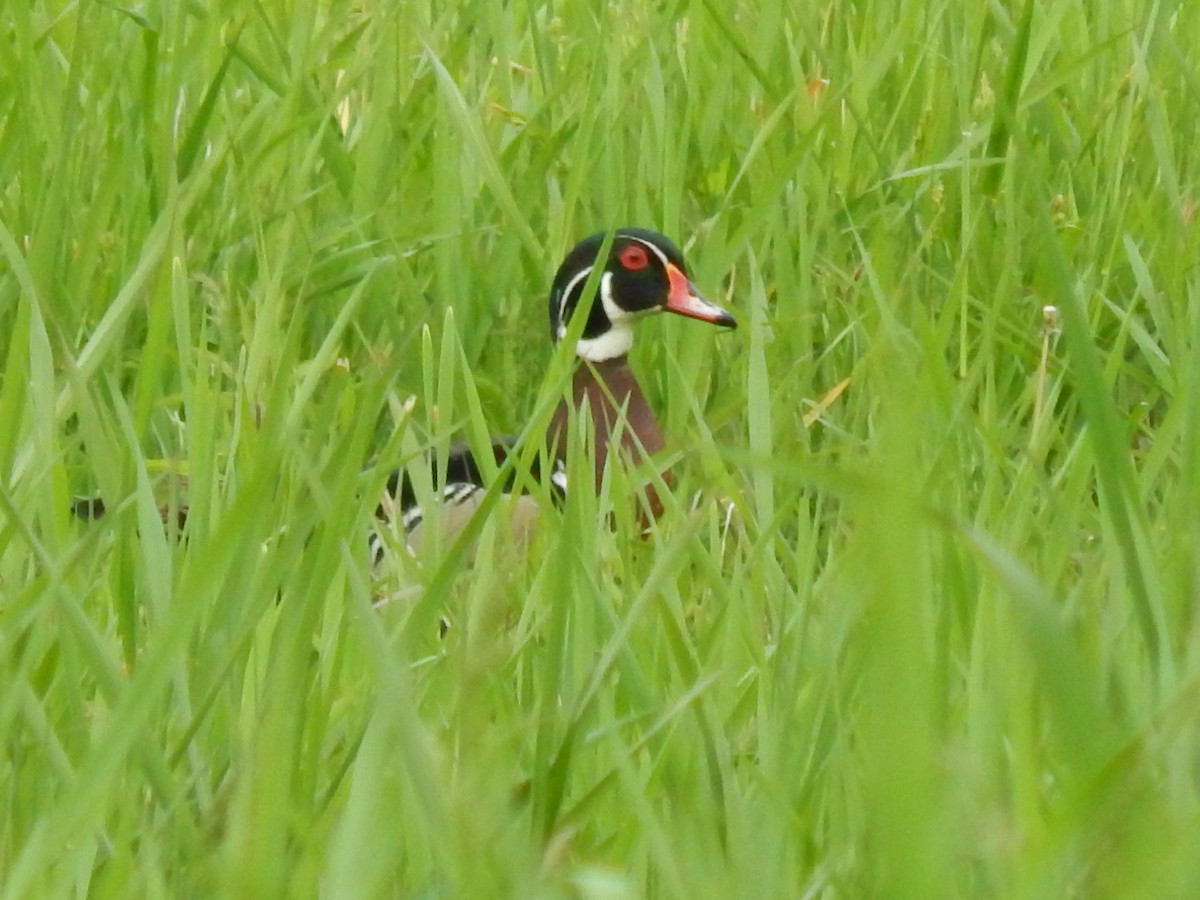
x=947 y=647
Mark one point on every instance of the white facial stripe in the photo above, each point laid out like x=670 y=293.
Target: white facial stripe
x=662 y=257
x=614 y=312
x=578 y=279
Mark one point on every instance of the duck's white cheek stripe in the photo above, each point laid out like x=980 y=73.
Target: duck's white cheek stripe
x=611 y=309
x=574 y=283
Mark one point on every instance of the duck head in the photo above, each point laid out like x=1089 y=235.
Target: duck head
x=643 y=273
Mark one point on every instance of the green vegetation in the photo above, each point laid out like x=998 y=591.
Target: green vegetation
x=254 y=256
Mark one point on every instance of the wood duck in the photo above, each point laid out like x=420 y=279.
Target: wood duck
x=643 y=273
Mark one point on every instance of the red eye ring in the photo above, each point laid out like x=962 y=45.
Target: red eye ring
x=634 y=258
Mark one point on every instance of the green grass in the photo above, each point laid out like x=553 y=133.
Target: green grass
x=947 y=646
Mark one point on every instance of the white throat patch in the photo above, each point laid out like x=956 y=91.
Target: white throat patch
x=619 y=337
x=613 y=343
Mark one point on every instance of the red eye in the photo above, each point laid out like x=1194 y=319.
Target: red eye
x=634 y=257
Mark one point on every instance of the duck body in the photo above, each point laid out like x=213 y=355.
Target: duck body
x=643 y=273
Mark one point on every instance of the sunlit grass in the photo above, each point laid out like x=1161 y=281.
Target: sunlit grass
x=253 y=260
